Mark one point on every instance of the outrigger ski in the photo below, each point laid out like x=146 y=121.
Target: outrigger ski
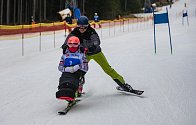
x=68 y=107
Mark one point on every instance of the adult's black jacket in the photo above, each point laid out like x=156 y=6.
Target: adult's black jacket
x=89 y=39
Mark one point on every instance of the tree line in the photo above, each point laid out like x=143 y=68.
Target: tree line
x=20 y=11
x=14 y=12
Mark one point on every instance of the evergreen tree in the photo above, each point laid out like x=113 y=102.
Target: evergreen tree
x=106 y=9
x=131 y=6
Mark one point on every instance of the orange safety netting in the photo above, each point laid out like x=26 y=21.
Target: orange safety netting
x=43 y=27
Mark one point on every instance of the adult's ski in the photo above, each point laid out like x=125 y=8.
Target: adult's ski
x=68 y=107
x=134 y=91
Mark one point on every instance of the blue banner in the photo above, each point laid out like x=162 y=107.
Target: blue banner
x=161 y=18
x=185 y=14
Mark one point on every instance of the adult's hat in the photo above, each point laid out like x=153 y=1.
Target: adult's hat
x=83 y=20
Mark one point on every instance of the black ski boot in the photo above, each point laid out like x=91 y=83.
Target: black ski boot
x=127 y=88
x=123 y=86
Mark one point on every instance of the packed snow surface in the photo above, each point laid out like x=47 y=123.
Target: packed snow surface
x=28 y=83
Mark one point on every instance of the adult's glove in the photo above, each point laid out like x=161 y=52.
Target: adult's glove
x=89 y=45
x=64 y=46
x=91 y=48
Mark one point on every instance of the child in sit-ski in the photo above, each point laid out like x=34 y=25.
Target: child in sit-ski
x=73 y=65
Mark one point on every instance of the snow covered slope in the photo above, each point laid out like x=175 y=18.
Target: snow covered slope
x=28 y=84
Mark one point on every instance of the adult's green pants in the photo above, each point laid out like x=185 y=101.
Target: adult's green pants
x=102 y=61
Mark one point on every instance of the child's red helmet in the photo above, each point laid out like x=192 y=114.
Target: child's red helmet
x=73 y=43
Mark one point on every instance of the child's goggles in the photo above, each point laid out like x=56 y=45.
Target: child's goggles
x=73 y=44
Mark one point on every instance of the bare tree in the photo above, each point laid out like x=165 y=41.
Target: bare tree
x=34 y=3
x=14 y=20
x=125 y=5
x=1 y=12
x=44 y=9
x=8 y=12
x=21 y=11
x=40 y=11
x=26 y=11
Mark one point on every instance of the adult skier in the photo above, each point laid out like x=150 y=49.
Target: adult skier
x=90 y=39
x=73 y=65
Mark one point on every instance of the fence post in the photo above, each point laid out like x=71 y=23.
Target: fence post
x=123 y=25
x=54 y=35
x=40 y=38
x=114 y=27
x=128 y=25
x=101 y=32
x=22 y=40
x=109 y=27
